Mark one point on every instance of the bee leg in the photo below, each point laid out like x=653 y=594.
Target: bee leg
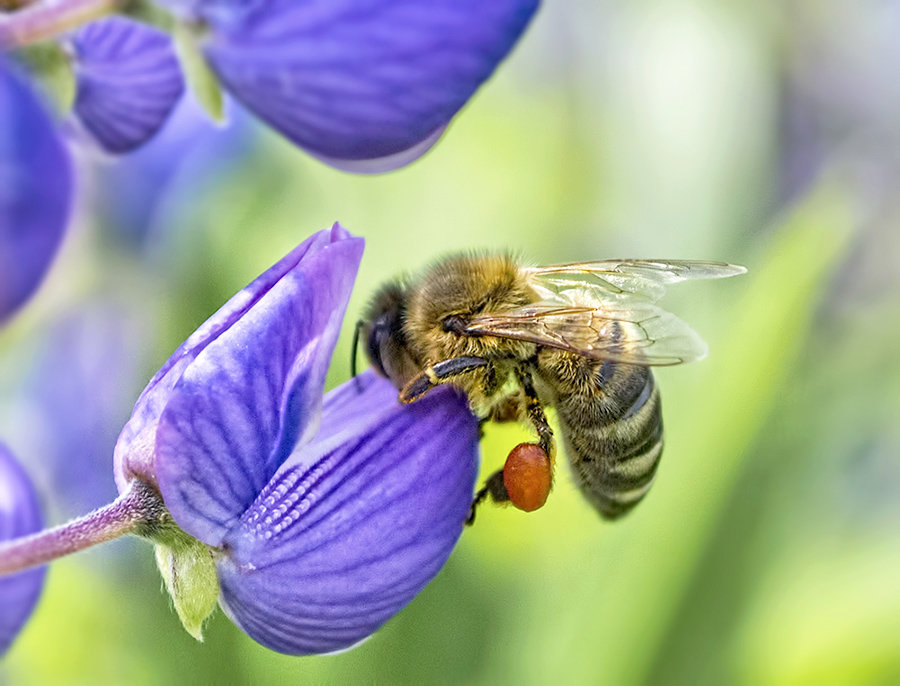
x=440 y=373
x=493 y=487
x=535 y=412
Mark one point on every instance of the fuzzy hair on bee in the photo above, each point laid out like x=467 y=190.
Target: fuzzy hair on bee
x=515 y=339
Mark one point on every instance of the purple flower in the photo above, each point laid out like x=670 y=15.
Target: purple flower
x=365 y=85
x=324 y=519
x=354 y=524
x=35 y=191
x=128 y=81
x=19 y=516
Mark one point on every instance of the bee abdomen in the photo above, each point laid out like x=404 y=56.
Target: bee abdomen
x=615 y=454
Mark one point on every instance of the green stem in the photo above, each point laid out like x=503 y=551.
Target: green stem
x=138 y=510
x=39 y=21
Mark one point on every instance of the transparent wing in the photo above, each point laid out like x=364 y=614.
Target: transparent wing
x=622 y=279
x=646 y=335
x=606 y=311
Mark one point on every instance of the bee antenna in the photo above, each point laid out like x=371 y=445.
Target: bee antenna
x=355 y=347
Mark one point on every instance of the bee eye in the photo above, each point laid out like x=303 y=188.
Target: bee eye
x=455 y=323
x=379 y=339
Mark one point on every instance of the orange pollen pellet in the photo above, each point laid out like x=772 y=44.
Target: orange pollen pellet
x=528 y=476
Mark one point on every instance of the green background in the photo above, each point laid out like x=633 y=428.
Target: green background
x=768 y=550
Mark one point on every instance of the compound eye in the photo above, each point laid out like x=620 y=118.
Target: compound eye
x=377 y=335
x=455 y=323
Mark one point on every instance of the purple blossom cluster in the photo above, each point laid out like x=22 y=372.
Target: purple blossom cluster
x=315 y=518
x=366 y=86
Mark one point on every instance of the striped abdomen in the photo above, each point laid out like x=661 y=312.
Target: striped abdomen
x=612 y=429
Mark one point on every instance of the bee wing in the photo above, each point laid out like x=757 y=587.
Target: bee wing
x=606 y=310
x=645 y=335
x=622 y=280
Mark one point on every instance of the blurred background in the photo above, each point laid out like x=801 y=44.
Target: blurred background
x=767 y=552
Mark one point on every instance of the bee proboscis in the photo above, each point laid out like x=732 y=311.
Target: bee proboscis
x=579 y=337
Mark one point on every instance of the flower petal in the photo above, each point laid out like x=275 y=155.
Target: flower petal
x=360 y=79
x=135 y=454
x=128 y=81
x=35 y=191
x=356 y=523
x=19 y=516
x=377 y=165
x=243 y=403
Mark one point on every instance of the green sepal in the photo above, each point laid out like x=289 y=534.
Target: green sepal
x=189 y=572
x=53 y=68
x=200 y=79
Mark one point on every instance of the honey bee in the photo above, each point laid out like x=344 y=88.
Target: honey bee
x=578 y=337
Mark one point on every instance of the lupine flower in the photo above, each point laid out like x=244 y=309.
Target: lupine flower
x=19 y=516
x=128 y=81
x=35 y=191
x=365 y=85
x=322 y=520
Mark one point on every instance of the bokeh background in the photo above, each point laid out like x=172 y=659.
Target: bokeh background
x=768 y=551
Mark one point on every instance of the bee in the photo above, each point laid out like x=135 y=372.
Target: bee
x=580 y=338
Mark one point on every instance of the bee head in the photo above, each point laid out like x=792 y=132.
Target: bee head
x=381 y=331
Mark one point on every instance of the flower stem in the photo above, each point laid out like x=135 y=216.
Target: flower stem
x=37 y=21
x=136 y=511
